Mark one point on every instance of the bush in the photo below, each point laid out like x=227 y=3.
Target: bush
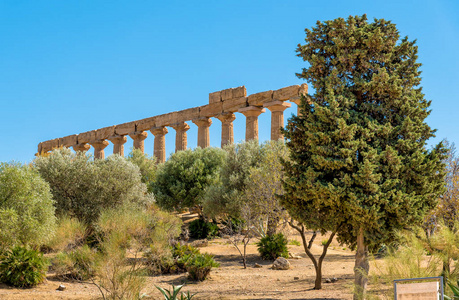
x=70 y=233
x=22 y=267
x=83 y=187
x=26 y=207
x=77 y=264
x=180 y=181
x=272 y=247
x=200 y=229
x=147 y=166
x=199 y=266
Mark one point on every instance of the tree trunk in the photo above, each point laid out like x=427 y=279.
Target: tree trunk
x=311 y=241
x=318 y=282
x=272 y=226
x=361 y=267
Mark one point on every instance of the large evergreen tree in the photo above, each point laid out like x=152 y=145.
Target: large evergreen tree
x=359 y=164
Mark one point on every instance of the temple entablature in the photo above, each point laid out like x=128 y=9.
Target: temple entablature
x=224 y=105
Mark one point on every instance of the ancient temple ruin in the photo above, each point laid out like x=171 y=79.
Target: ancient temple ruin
x=222 y=105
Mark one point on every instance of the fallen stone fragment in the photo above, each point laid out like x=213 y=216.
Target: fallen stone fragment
x=281 y=264
x=257 y=265
x=61 y=287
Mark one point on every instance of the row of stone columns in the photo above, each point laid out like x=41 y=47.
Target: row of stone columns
x=227 y=137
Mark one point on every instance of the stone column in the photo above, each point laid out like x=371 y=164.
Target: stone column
x=160 y=143
x=180 y=135
x=277 y=117
x=83 y=147
x=203 y=131
x=139 y=137
x=251 y=124
x=297 y=102
x=118 y=144
x=99 y=146
x=227 y=128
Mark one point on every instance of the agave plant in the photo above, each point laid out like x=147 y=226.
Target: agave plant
x=174 y=293
x=455 y=290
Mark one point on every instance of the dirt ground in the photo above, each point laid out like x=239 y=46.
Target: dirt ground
x=230 y=280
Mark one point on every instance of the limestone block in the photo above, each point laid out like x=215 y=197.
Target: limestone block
x=105 y=133
x=302 y=91
x=234 y=105
x=259 y=99
x=239 y=91
x=286 y=93
x=86 y=137
x=125 y=128
x=50 y=145
x=145 y=124
x=69 y=141
x=60 y=142
x=187 y=114
x=40 y=148
x=166 y=119
x=215 y=97
x=227 y=94
x=210 y=110
x=232 y=93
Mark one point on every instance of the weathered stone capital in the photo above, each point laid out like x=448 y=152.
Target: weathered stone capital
x=277 y=105
x=226 y=118
x=99 y=144
x=138 y=135
x=252 y=111
x=81 y=147
x=158 y=131
x=203 y=122
x=181 y=126
x=118 y=139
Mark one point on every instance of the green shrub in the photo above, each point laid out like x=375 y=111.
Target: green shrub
x=174 y=293
x=77 y=264
x=200 y=229
x=181 y=181
x=199 y=266
x=83 y=187
x=22 y=267
x=26 y=207
x=272 y=247
x=179 y=250
x=294 y=242
x=147 y=166
x=70 y=233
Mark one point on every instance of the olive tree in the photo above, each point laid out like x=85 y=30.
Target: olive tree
x=26 y=207
x=82 y=187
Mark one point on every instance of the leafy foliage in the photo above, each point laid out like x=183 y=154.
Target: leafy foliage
x=199 y=266
x=227 y=195
x=70 y=232
x=83 y=187
x=76 y=264
x=23 y=267
x=180 y=181
x=454 y=289
x=271 y=247
x=26 y=207
x=173 y=294
x=147 y=166
x=201 y=229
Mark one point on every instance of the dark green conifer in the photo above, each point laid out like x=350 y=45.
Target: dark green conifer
x=359 y=164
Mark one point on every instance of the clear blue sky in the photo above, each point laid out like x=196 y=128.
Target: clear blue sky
x=71 y=66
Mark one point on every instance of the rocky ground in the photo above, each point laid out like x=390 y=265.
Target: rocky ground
x=230 y=280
